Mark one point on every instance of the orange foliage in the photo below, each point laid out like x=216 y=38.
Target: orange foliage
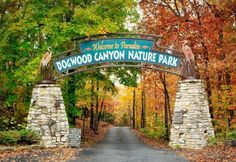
x=210 y=26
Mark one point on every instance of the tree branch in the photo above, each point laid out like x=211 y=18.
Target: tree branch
x=176 y=6
x=164 y=3
x=196 y=11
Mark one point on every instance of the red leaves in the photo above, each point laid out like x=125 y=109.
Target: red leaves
x=209 y=27
x=217 y=153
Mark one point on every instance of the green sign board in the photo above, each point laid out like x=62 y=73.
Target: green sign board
x=116 y=50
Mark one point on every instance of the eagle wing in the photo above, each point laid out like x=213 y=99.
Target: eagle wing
x=46 y=59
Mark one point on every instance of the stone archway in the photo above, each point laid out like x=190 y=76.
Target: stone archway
x=191 y=119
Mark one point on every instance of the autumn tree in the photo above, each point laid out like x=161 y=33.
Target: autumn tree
x=210 y=26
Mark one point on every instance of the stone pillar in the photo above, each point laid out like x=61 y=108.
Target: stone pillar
x=191 y=123
x=47 y=115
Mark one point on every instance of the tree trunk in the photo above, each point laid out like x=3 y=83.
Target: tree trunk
x=71 y=99
x=100 y=112
x=143 y=113
x=134 y=109
x=83 y=126
x=96 y=110
x=92 y=106
x=156 y=106
x=167 y=104
x=208 y=83
x=130 y=115
x=209 y=93
x=166 y=118
x=167 y=100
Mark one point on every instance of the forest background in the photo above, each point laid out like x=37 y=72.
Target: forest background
x=143 y=99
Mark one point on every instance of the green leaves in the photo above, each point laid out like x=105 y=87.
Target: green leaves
x=26 y=75
x=28 y=28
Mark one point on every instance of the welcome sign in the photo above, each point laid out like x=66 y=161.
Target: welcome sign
x=116 y=50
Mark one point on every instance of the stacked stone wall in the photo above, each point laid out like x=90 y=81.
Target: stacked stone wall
x=191 y=124
x=47 y=115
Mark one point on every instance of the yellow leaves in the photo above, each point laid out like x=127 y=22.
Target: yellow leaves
x=87 y=15
x=154 y=98
x=82 y=103
x=21 y=108
x=217 y=64
x=87 y=34
x=124 y=102
x=102 y=30
x=19 y=90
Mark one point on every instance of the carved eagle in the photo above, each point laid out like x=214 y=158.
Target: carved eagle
x=46 y=58
x=188 y=53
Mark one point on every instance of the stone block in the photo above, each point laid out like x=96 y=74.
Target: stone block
x=196 y=126
x=74 y=137
x=45 y=117
x=63 y=139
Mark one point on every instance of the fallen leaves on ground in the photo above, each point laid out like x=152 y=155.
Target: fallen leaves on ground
x=92 y=138
x=216 y=153
x=39 y=154
x=156 y=143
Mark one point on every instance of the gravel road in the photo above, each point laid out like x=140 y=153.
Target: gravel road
x=121 y=145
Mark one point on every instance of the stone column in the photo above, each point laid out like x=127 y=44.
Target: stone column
x=191 y=123
x=47 y=115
